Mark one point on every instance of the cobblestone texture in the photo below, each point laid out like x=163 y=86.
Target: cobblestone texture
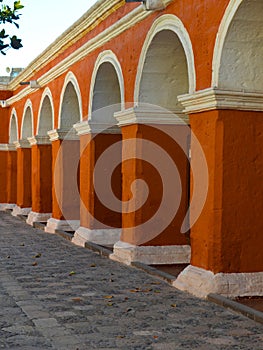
x=54 y=295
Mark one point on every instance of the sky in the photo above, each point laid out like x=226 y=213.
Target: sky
x=41 y=22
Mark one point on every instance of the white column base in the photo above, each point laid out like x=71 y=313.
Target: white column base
x=63 y=225
x=151 y=255
x=200 y=283
x=37 y=217
x=106 y=237
x=20 y=211
x=6 y=206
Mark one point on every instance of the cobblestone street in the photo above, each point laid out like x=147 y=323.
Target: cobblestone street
x=55 y=295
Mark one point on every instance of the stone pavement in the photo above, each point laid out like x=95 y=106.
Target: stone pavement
x=54 y=295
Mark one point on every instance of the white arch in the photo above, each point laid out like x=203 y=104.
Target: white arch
x=70 y=78
x=110 y=57
x=220 y=39
x=46 y=93
x=28 y=106
x=174 y=24
x=13 y=117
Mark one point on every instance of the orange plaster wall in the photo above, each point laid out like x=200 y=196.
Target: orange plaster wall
x=133 y=169
x=24 y=177
x=3 y=176
x=91 y=150
x=12 y=177
x=228 y=234
x=41 y=179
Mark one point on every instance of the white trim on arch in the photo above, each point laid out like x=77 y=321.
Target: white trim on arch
x=28 y=104
x=70 y=78
x=220 y=39
x=110 y=57
x=13 y=114
x=46 y=93
x=174 y=24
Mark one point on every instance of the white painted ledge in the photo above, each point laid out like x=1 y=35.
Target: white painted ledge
x=63 y=225
x=107 y=237
x=200 y=283
x=20 y=211
x=172 y=254
x=37 y=217
x=6 y=206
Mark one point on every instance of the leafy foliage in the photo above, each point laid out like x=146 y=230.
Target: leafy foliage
x=9 y=15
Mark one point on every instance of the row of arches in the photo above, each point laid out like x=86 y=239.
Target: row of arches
x=167 y=60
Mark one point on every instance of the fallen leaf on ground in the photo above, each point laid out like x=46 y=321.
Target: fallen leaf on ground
x=77 y=299
x=72 y=273
x=173 y=305
x=108 y=296
x=93 y=265
x=38 y=255
x=34 y=263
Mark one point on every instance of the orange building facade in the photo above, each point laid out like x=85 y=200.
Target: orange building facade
x=141 y=128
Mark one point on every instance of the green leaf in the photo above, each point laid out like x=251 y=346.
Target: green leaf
x=16 y=43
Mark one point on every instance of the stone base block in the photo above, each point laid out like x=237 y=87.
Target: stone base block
x=6 y=206
x=20 y=211
x=106 y=237
x=151 y=255
x=200 y=283
x=63 y=225
x=37 y=217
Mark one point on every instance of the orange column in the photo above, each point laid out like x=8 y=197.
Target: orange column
x=155 y=178
x=41 y=179
x=65 y=192
x=23 y=201
x=100 y=185
x=227 y=239
x=8 y=175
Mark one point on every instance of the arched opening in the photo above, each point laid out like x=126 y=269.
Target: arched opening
x=240 y=60
x=106 y=93
x=45 y=117
x=70 y=110
x=13 y=132
x=27 y=124
x=165 y=73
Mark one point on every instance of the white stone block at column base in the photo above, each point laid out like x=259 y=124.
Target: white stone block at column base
x=106 y=237
x=151 y=255
x=6 y=206
x=63 y=225
x=37 y=217
x=200 y=283
x=20 y=211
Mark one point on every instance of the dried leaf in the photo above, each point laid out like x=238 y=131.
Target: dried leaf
x=93 y=265
x=34 y=263
x=173 y=305
x=108 y=296
x=38 y=255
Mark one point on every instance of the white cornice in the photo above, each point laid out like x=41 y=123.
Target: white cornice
x=39 y=140
x=132 y=18
x=7 y=147
x=23 y=143
x=88 y=127
x=62 y=134
x=212 y=98
x=140 y=115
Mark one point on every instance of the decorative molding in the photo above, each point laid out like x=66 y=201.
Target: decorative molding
x=88 y=127
x=144 y=115
x=64 y=225
x=7 y=147
x=23 y=143
x=200 y=283
x=61 y=134
x=171 y=254
x=106 y=237
x=96 y=12
x=213 y=98
x=37 y=217
x=39 y=140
